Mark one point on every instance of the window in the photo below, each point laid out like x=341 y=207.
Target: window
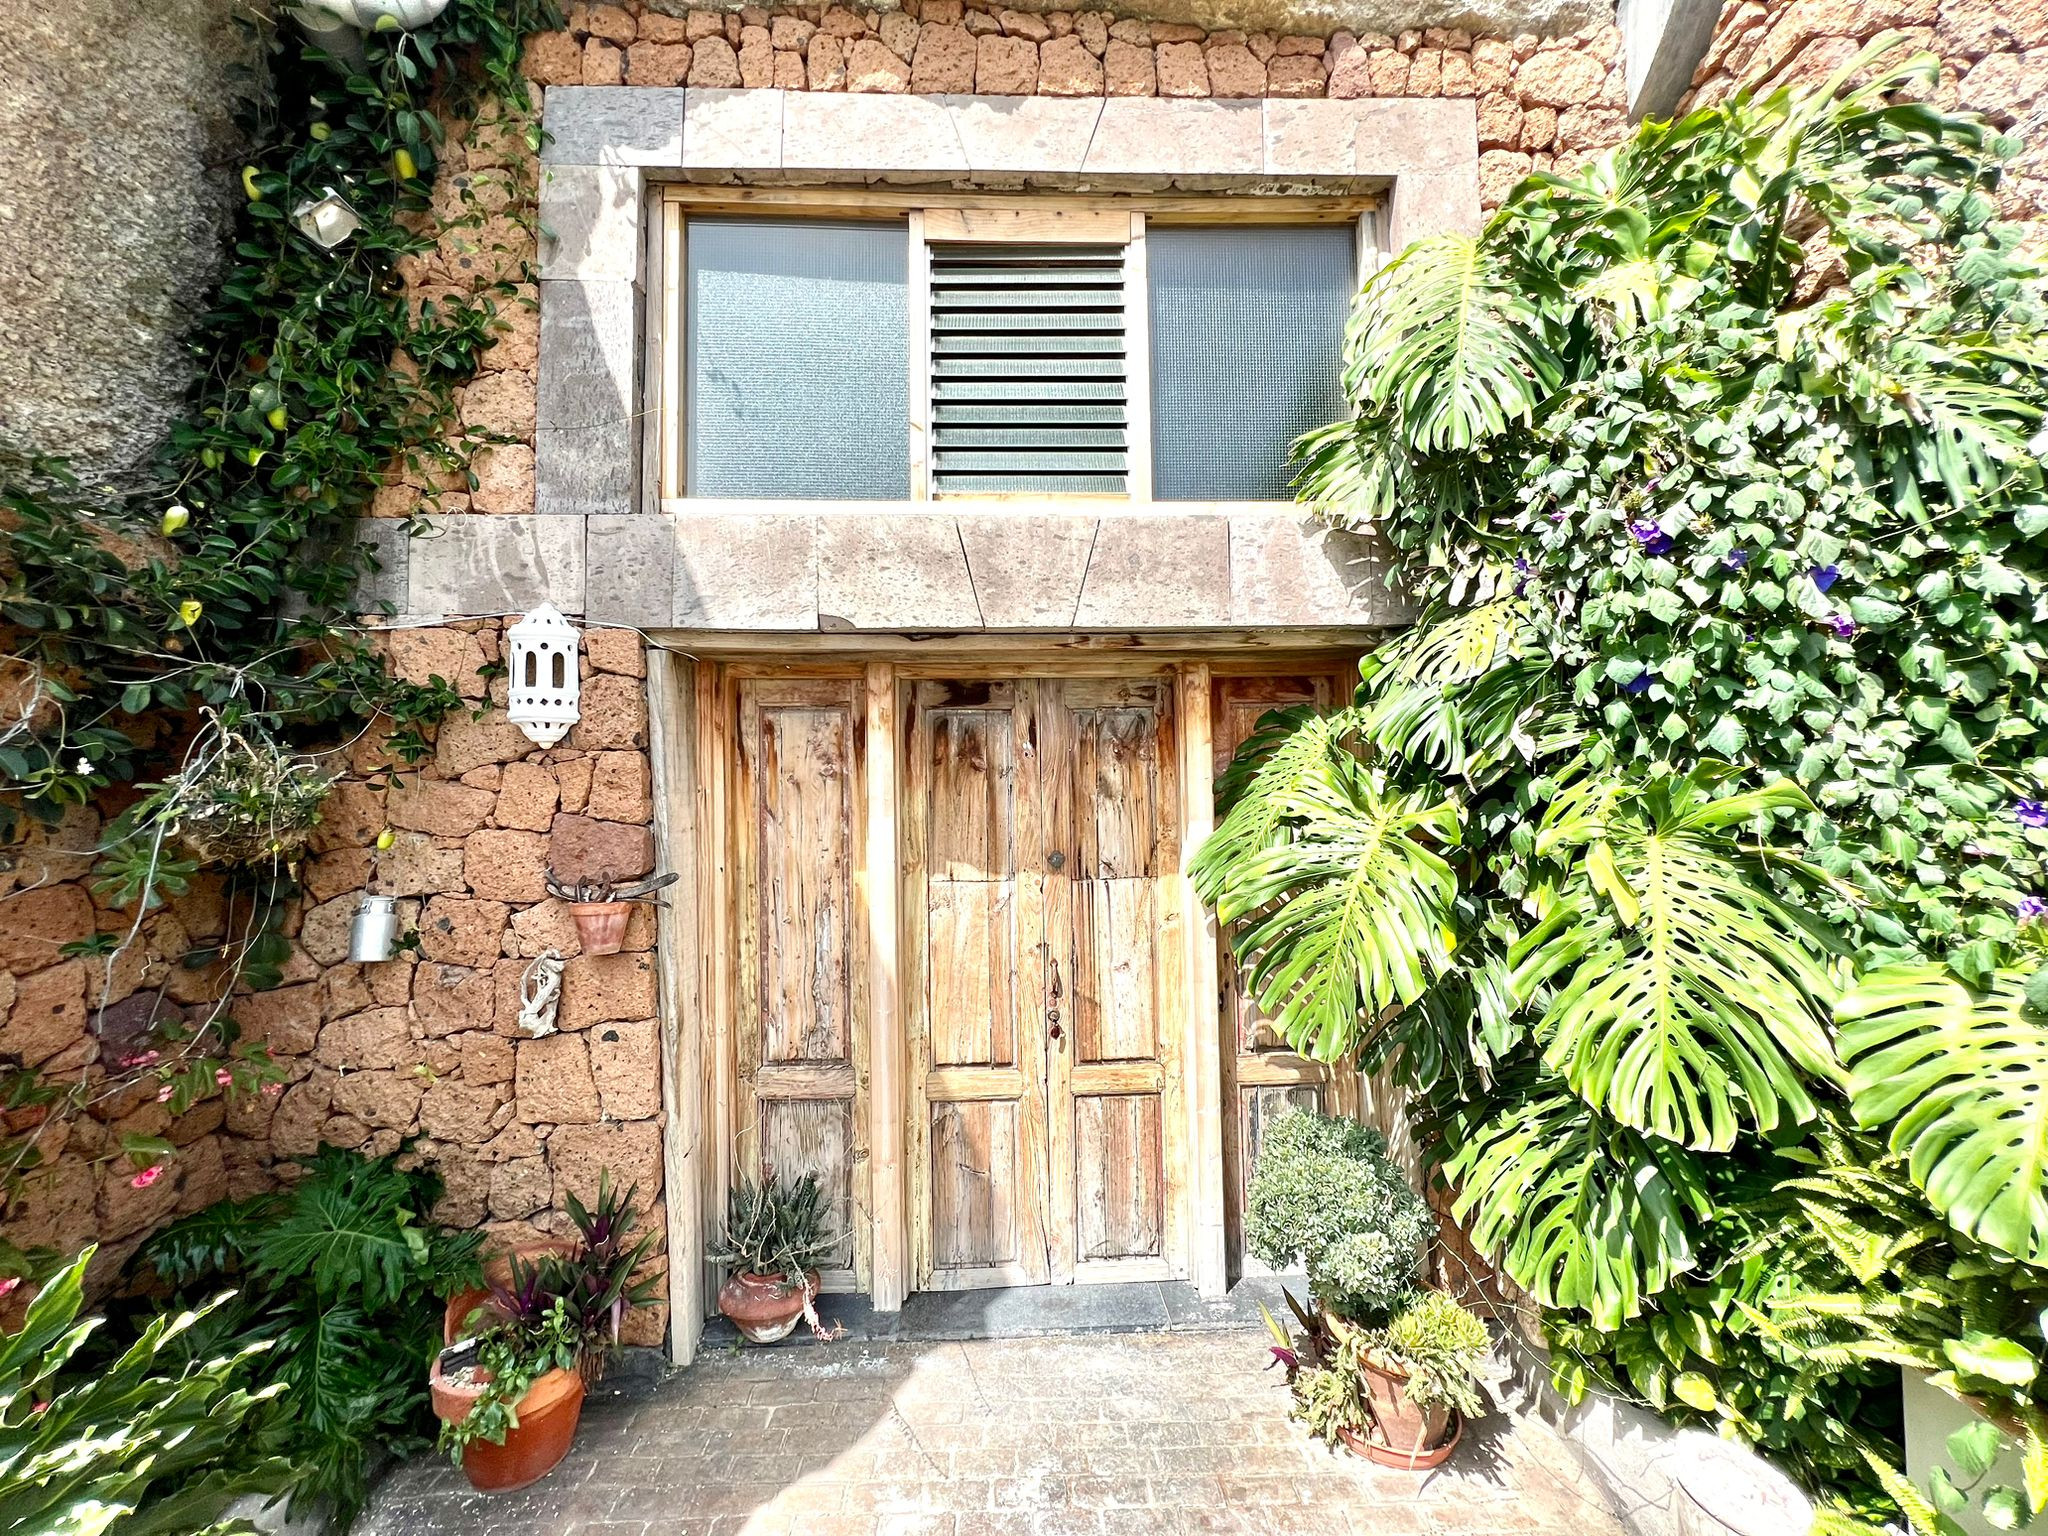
x=1037 y=350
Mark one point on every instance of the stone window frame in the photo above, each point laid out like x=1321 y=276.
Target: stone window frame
x=600 y=544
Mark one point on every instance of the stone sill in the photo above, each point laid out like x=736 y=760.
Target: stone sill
x=965 y=566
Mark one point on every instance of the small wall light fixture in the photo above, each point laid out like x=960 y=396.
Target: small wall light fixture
x=545 y=685
x=327 y=221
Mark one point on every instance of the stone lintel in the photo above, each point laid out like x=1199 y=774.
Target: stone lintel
x=478 y=564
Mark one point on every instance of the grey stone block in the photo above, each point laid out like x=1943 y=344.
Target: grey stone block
x=893 y=570
x=586 y=436
x=1026 y=569
x=1025 y=133
x=1286 y=569
x=1311 y=137
x=825 y=131
x=1433 y=202
x=738 y=570
x=1151 y=136
x=475 y=564
x=732 y=130
x=1399 y=137
x=389 y=583
x=632 y=566
x=590 y=219
x=1163 y=570
x=612 y=125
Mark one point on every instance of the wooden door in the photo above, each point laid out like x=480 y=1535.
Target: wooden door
x=1262 y=1078
x=1041 y=902
x=801 y=1040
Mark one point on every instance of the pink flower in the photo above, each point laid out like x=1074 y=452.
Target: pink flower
x=147 y=1058
x=223 y=1077
x=147 y=1177
x=9 y=1285
x=273 y=1088
x=163 y=1094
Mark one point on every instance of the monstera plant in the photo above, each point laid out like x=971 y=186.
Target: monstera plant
x=1706 y=800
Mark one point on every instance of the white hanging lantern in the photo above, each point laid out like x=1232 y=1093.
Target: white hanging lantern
x=328 y=221
x=544 y=680
x=380 y=15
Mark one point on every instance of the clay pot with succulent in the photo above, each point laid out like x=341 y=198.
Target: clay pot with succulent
x=601 y=906
x=775 y=1237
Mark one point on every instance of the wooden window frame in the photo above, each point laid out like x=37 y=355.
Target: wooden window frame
x=930 y=218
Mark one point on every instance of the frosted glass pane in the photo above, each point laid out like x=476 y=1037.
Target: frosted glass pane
x=1247 y=342
x=795 y=373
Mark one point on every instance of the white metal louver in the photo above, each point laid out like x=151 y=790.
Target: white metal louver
x=1029 y=369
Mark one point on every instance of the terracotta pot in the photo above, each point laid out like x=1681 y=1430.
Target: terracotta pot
x=766 y=1307
x=601 y=925
x=498 y=1269
x=1406 y=1461
x=548 y=1415
x=1401 y=1426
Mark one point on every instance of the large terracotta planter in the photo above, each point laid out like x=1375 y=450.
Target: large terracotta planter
x=766 y=1308
x=548 y=1415
x=1406 y=1460
x=601 y=925
x=498 y=1269
x=1403 y=1430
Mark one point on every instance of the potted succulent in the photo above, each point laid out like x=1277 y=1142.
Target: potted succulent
x=602 y=905
x=552 y=1309
x=774 y=1238
x=1379 y=1365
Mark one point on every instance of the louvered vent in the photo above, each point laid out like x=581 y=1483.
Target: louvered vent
x=1028 y=368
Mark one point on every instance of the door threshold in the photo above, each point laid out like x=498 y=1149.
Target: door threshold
x=1036 y=1311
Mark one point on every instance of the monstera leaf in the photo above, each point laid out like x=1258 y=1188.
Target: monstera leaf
x=1344 y=896
x=1960 y=1078
x=1680 y=996
x=1582 y=1212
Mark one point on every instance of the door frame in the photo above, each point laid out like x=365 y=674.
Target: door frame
x=693 y=696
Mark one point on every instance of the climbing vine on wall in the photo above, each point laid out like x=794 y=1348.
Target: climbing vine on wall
x=167 y=632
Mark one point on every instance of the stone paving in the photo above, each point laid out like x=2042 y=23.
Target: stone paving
x=1082 y=1435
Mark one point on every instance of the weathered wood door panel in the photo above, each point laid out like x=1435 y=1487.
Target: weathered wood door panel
x=1262 y=1078
x=801 y=1038
x=1041 y=905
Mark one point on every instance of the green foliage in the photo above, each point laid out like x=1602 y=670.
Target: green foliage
x=1325 y=1194
x=337 y=1278
x=1443 y=1349
x=152 y=1441
x=775 y=1226
x=1718 y=469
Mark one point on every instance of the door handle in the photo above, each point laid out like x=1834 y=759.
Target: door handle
x=1052 y=1014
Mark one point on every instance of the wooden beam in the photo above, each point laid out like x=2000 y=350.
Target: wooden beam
x=1208 y=1256
x=672 y=724
x=881 y=881
x=882 y=203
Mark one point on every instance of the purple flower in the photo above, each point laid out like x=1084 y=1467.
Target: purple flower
x=2031 y=813
x=1653 y=539
x=1843 y=626
x=1735 y=559
x=1824 y=576
x=2031 y=909
x=1524 y=572
x=1640 y=683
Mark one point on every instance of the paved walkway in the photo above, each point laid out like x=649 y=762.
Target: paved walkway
x=1085 y=1435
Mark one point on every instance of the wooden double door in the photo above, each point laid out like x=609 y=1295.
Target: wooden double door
x=1044 y=981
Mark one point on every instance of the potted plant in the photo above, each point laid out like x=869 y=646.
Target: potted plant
x=556 y=1304
x=242 y=798
x=1385 y=1368
x=774 y=1238
x=509 y=1404
x=601 y=906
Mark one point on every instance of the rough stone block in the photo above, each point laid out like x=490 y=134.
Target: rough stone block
x=1026 y=569
x=590 y=222
x=489 y=565
x=732 y=130
x=1404 y=138
x=632 y=562
x=870 y=134
x=893 y=571
x=1024 y=133
x=1157 y=571
x=587 y=443
x=1151 y=136
x=581 y=848
x=383 y=590
x=746 y=571
x=624 y=125
x=1289 y=569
